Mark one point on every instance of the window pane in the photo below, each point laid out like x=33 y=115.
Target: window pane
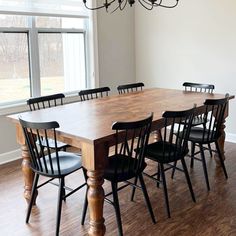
x=59 y=22
x=13 y=21
x=14 y=67
x=62 y=62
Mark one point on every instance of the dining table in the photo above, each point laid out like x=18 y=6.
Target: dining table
x=87 y=125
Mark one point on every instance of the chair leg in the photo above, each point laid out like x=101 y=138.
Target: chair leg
x=143 y=186
x=165 y=189
x=85 y=207
x=173 y=170
x=192 y=154
x=210 y=150
x=158 y=175
x=86 y=198
x=133 y=189
x=63 y=188
x=117 y=207
x=59 y=205
x=221 y=159
x=188 y=179
x=33 y=193
x=204 y=166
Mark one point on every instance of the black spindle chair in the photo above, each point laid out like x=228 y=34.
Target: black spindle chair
x=171 y=148
x=198 y=119
x=89 y=94
x=45 y=162
x=126 y=88
x=196 y=87
x=126 y=164
x=43 y=102
x=209 y=133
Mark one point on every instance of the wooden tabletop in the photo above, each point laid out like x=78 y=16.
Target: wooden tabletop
x=91 y=120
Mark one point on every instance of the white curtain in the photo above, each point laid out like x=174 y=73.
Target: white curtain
x=74 y=62
x=44 y=7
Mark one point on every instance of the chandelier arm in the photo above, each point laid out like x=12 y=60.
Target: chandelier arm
x=115 y=9
x=93 y=8
x=151 y=4
x=141 y=2
x=119 y=6
x=165 y=6
x=122 y=8
x=97 y=8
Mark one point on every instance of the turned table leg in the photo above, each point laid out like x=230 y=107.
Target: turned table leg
x=28 y=174
x=95 y=203
x=221 y=140
x=94 y=160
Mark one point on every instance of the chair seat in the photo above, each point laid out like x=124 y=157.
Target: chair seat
x=69 y=162
x=171 y=152
x=51 y=143
x=119 y=168
x=196 y=136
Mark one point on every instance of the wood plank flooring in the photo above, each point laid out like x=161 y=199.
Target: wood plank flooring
x=213 y=214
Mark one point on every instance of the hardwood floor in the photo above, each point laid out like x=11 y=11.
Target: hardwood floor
x=213 y=214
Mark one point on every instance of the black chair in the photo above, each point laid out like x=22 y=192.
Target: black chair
x=94 y=93
x=46 y=102
x=171 y=148
x=209 y=133
x=126 y=164
x=126 y=88
x=198 y=88
x=44 y=162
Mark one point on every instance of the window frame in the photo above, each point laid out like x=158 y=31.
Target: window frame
x=90 y=47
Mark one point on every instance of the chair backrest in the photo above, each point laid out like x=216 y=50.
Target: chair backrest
x=126 y=88
x=45 y=101
x=131 y=141
x=41 y=155
x=175 y=134
x=94 y=93
x=195 y=87
x=213 y=117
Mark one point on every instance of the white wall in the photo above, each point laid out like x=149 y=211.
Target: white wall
x=7 y=136
x=194 y=42
x=116 y=48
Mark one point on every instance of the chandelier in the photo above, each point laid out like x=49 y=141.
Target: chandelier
x=121 y=4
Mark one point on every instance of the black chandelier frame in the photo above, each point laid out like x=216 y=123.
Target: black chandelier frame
x=121 y=4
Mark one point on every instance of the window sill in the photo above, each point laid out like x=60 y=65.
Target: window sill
x=21 y=107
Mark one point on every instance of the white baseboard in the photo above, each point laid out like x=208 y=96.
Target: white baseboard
x=10 y=156
x=230 y=138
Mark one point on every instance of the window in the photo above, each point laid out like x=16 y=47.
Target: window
x=14 y=66
x=43 y=53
